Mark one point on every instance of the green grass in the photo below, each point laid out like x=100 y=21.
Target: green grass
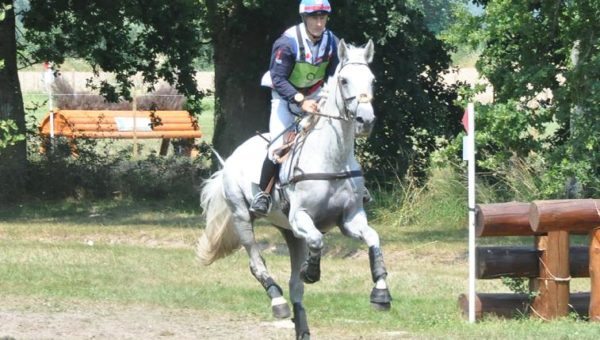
x=143 y=252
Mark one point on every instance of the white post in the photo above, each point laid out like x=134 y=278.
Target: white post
x=48 y=78
x=471 y=180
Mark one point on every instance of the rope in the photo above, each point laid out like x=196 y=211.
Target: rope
x=552 y=276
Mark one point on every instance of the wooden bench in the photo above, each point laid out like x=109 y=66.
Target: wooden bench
x=163 y=125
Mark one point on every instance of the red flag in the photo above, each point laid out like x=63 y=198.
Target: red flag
x=465 y=121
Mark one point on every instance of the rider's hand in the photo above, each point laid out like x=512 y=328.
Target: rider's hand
x=310 y=106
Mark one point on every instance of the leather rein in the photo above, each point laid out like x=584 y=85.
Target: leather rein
x=363 y=98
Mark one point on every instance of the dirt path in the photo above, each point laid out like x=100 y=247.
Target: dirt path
x=31 y=319
x=42 y=320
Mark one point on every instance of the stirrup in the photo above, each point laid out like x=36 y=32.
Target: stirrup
x=259 y=209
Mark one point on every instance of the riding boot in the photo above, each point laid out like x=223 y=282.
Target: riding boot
x=261 y=203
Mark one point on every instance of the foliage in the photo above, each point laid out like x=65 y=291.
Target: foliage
x=125 y=38
x=414 y=107
x=437 y=14
x=543 y=60
x=98 y=173
x=8 y=134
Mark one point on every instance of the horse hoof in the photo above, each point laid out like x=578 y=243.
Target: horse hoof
x=381 y=299
x=305 y=336
x=281 y=311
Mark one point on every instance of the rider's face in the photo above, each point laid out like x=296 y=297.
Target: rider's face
x=315 y=24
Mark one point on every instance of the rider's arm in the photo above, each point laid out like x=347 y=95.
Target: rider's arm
x=283 y=60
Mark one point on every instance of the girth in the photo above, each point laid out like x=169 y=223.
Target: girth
x=325 y=176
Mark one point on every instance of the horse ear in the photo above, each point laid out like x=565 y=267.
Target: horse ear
x=342 y=50
x=369 y=51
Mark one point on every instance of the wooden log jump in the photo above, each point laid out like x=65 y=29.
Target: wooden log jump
x=581 y=215
x=117 y=124
x=549 y=264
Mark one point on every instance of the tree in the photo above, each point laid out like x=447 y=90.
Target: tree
x=412 y=104
x=12 y=159
x=543 y=59
x=243 y=33
x=155 y=39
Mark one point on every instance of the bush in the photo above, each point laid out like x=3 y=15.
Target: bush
x=98 y=172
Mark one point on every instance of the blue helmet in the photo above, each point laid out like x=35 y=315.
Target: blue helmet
x=312 y=6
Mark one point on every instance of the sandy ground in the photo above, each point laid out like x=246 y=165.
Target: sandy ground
x=38 y=319
x=43 y=320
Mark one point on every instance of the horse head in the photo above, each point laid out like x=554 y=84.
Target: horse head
x=355 y=84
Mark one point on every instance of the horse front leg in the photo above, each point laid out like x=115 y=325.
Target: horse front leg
x=298 y=252
x=357 y=227
x=304 y=227
x=258 y=268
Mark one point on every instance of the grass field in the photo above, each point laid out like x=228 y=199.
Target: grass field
x=124 y=253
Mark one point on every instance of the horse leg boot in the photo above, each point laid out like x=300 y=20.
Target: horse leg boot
x=310 y=272
x=261 y=203
x=301 y=322
x=358 y=228
x=304 y=227
x=380 y=295
x=279 y=305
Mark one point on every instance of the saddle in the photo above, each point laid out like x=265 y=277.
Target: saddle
x=290 y=138
x=282 y=153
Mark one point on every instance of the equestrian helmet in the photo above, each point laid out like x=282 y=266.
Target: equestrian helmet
x=313 y=6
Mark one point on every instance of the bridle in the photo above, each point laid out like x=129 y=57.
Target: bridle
x=362 y=98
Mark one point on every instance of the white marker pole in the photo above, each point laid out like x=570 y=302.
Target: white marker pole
x=471 y=180
x=48 y=78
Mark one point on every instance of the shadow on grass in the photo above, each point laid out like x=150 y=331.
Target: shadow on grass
x=108 y=213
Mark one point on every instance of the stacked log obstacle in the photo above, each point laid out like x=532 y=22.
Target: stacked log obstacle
x=163 y=125
x=549 y=263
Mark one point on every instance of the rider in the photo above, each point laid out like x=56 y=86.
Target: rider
x=301 y=60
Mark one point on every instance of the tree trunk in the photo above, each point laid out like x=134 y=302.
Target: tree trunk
x=13 y=160
x=242 y=39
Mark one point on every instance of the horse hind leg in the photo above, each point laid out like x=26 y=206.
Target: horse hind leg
x=258 y=268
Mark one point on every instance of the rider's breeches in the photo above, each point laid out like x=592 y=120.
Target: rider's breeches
x=280 y=119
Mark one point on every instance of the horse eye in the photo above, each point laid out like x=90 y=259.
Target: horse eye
x=344 y=81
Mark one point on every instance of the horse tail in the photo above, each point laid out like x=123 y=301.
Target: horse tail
x=220 y=237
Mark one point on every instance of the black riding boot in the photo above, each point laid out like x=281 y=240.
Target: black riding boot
x=261 y=203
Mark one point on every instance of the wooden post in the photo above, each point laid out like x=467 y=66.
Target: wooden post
x=164 y=146
x=553 y=294
x=594 y=311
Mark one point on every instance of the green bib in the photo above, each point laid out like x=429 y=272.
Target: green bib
x=306 y=75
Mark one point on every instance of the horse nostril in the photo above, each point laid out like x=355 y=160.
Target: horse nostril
x=360 y=120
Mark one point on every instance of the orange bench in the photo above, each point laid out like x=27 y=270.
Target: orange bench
x=164 y=125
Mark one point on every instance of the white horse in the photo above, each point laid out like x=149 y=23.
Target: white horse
x=321 y=186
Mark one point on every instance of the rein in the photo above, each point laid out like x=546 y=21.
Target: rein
x=362 y=98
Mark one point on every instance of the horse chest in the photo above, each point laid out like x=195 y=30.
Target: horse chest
x=327 y=203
